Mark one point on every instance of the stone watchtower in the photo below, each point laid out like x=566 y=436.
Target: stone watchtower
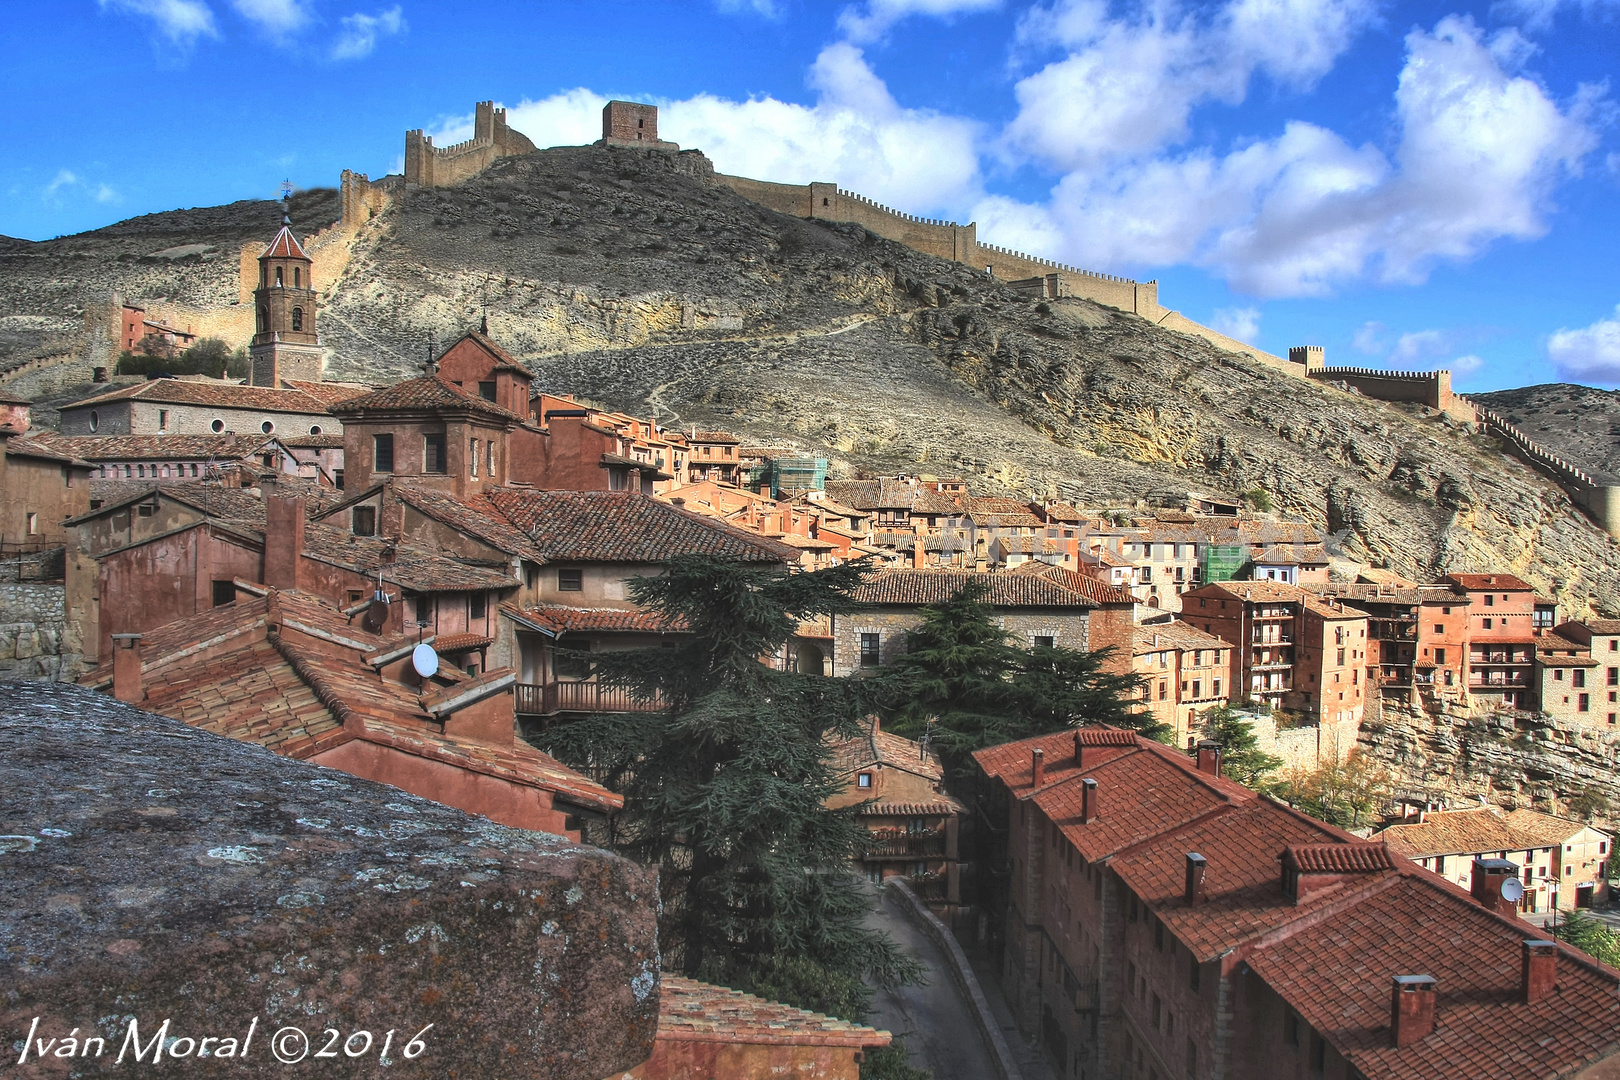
x=285 y=343
x=1311 y=357
x=630 y=123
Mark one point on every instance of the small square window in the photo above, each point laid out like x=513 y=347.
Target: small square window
x=570 y=579
x=864 y=780
x=363 y=520
x=477 y=606
x=871 y=650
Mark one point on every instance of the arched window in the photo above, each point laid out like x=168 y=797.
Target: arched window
x=298 y=318
x=264 y=319
x=278 y=277
x=298 y=277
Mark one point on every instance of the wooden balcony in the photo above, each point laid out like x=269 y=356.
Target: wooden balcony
x=548 y=699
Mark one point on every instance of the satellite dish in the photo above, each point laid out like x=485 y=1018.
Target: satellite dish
x=425 y=660
x=1512 y=889
x=377 y=613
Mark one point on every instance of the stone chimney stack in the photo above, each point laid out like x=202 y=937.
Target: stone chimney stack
x=1090 y=801
x=1489 y=878
x=1411 y=1008
x=1194 y=891
x=1538 y=970
x=1209 y=757
x=127 y=684
x=1039 y=757
x=283 y=535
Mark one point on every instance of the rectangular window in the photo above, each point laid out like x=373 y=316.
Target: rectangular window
x=570 y=579
x=433 y=454
x=1341 y=657
x=1614 y=676
x=1291 y=1028
x=424 y=608
x=1046 y=643
x=870 y=655
x=1440 y=656
x=33 y=523
x=363 y=521
x=1487 y=624
x=1585 y=703
x=1215 y=688
x=224 y=592
x=1158 y=934
x=337 y=477
x=1318 y=1054
x=382 y=453
x=1577 y=678
x=1198 y=689
x=486 y=390
x=1489 y=600
x=163 y=420
x=489 y=459
x=865 y=780
x=1194 y=972
x=472 y=458
x=477 y=607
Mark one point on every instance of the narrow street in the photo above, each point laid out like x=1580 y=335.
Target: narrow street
x=935 y=1020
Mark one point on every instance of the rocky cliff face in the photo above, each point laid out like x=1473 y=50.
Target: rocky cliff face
x=1582 y=423
x=632 y=279
x=1539 y=763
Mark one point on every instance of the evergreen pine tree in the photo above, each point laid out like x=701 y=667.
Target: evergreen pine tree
x=1241 y=757
x=725 y=786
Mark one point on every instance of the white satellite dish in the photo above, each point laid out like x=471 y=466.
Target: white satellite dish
x=1512 y=889
x=425 y=660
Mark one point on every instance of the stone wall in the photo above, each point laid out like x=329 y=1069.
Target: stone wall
x=1069 y=630
x=1431 y=388
x=34 y=629
x=434 y=166
x=1600 y=501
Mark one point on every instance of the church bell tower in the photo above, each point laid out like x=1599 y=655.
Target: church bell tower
x=285 y=343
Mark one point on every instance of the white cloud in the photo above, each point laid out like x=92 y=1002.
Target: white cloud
x=855 y=134
x=1421 y=347
x=768 y=9
x=877 y=17
x=360 y=32
x=62 y=179
x=181 y=21
x=1537 y=15
x=1126 y=88
x=278 y=18
x=1591 y=354
x=1478 y=153
x=105 y=194
x=1240 y=323
x=1370 y=339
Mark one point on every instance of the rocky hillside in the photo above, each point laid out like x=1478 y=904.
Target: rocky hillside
x=635 y=280
x=1581 y=423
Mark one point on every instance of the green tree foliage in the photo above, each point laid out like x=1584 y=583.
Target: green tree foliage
x=963 y=671
x=725 y=787
x=1241 y=757
x=1347 y=795
x=209 y=356
x=889 y=1063
x=1591 y=937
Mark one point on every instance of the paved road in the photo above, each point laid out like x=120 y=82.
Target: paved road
x=935 y=1020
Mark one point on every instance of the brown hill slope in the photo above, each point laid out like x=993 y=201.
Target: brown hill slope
x=615 y=276
x=1582 y=423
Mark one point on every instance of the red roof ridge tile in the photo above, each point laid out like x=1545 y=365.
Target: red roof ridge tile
x=1340 y=858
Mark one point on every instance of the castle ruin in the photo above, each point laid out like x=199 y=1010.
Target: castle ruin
x=427 y=165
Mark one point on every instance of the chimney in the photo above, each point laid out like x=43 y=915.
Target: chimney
x=1538 y=969
x=1490 y=878
x=1040 y=767
x=1209 y=757
x=1411 y=1008
x=919 y=553
x=1194 y=891
x=127 y=668
x=283 y=536
x=1090 y=801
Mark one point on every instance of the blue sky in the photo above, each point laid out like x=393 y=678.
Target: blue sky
x=1408 y=184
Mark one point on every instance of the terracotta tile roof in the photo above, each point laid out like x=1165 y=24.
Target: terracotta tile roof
x=1490 y=582
x=891 y=493
x=13 y=399
x=917 y=587
x=804 y=543
x=504 y=360
x=876 y=746
x=1243 y=891
x=1337 y=974
x=329 y=392
x=477 y=517
x=1173 y=635
x=560 y=619
x=690 y=1011
x=44 y=450
x=715 y=437
x=1603 y=626
x=313 y=442
x=1260 y=591
x=623 y=526
x=284 y=245
x=223 y=670
x=155 y=447
x=1064 y=512
x=1340 y=858
x=422 y=572
x=941 y=805
x=1476 y=830
x=425 y=392
x=454 y=643
x=220 y=395
x=1292 y=555
x=1331 y=609
x=1366 y=593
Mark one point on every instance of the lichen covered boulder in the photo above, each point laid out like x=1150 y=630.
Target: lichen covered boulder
x=276 y=909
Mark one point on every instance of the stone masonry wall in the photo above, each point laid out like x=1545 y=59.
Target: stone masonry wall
x=33 y=619
x=1068 y=631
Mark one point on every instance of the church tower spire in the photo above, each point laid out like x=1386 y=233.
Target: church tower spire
x=285 y=345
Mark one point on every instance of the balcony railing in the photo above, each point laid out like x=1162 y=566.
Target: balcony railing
x=917 y=846
x=545 y=699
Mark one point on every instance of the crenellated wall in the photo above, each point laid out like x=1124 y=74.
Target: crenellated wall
x=1600 y=501
x=1431 y=388
x=427 y=165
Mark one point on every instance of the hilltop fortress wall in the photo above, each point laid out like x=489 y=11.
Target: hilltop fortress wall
x=434 y=166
